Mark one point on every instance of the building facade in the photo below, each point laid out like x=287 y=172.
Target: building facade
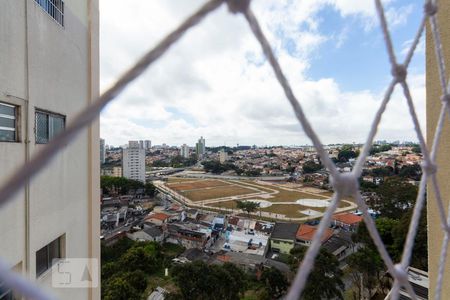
x=200 y=148
x=223 y=156
x=133 y=161
x=184 y=151
x=102 y=151
x=147 y=144
x=49 y=73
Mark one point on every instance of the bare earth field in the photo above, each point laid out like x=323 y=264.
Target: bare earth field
x=208 y=190
x=184 y=186
x=216 y=192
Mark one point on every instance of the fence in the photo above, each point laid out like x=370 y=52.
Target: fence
x=344 y=184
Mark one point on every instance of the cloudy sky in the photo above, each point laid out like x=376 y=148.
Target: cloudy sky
x=216 y=83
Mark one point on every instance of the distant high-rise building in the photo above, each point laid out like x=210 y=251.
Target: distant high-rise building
x=184 y=151
x=147 y=144
x=200 y=148
x=102 y=151
x=223 y=156
x=133 y=161
x=141 y=144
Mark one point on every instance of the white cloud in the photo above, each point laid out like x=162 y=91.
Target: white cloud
x=216 y=83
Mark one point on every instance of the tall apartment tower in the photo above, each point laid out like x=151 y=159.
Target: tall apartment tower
x=102 y=151
x=223 y=156
x=141 y=144
x=147 y=144
x=49 y=72
x=133 y=161
x=200 y=147
x=184 y=151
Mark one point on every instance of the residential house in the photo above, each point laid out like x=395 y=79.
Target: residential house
x=347 y=221
x=340 y=244
x=149 y=233
x=305 y=234
x=157 y=219
x=283 y=237
x=188 y=237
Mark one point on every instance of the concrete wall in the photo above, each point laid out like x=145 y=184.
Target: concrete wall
x=47 y=66
x=434 y=92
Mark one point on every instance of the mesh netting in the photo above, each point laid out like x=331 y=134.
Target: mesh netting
x=344 y=184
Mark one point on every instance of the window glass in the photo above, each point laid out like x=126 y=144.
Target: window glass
x=41 y=128
x=7 y=135
x=54 y=251
x=41 y=260
x=8 y=110
x=6 y=122
x=57 y=125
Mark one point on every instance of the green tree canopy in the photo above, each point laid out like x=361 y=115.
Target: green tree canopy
x=311 y=167
x=396 y=197
x=200 y=281
x=247 y=206
x=325 y=280
x=275 y=282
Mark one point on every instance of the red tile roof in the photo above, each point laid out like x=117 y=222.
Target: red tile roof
x=306 y=233
x=158 y=216
x=348 y=218
x=223 y=258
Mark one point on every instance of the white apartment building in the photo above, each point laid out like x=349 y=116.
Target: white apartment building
x=102 y=151
x=184 y=151
x=147 y=144
x=200 y=148
x=49 y=72
x=223 y=156
x=133 y=161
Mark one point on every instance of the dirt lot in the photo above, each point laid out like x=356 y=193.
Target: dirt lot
x=216 y=192
x=185 y=186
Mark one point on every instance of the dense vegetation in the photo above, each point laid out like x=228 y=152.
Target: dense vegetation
x=131 y=270
x=121 y=186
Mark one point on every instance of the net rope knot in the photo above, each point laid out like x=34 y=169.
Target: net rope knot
x=238 y=6
x=429 y=167
x=346 y=184
x=400 y=273
x=430 y=8
x=399 y=72
x=446 y=98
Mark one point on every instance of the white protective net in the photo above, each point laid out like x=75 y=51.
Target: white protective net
x=344 y=184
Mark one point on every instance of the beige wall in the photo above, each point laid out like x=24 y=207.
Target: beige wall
x=54 y=68
x=435 y=233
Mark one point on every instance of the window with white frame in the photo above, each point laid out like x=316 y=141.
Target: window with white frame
x=47 y=254
x=48 y=125
x=8 y=122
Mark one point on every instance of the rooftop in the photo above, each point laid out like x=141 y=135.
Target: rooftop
x=348 y=218
x=306 y=233
x=285 y=231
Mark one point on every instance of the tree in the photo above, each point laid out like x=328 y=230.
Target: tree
x=247 y=206
x=150 y=189
x=414 y=172
x=120 y=289
x=366 y=263
x=346 y=155
x=420 y=248
x=324 y=281
x=396 y=197
x=275 y=282
x=198 y=280
x=311 y=167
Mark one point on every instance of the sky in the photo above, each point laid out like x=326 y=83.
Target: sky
x=217 y=84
